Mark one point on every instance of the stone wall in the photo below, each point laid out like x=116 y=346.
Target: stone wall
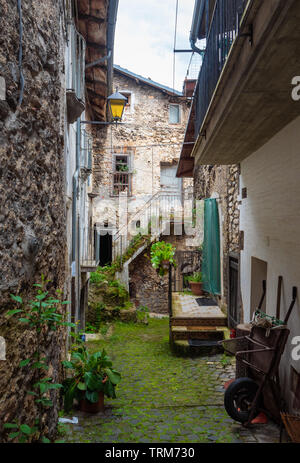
x=222 y=182
x=146 y=286
x=32 y=211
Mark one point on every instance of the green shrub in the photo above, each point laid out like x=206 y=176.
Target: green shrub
x=142 y=313
x=160 y=252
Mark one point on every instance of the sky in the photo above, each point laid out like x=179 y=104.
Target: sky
x=144 y=38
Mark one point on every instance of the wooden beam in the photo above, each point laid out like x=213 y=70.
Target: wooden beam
x=87 y=17
x=96 y=46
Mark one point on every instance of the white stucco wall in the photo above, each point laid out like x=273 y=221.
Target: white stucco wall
x=270 y=219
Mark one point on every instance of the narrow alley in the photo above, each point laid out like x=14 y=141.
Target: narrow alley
x=163 y=398
x=149 y=222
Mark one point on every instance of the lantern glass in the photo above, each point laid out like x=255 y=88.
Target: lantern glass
x=116 y=104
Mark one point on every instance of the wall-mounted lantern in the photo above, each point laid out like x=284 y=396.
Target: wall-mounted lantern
x=116 y=104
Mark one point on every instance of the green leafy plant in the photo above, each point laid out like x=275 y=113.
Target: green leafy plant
x=162 y=253
x=89 y=328
x=43 y=314
x=225 y=360
x=195 y=278
x=20 y=431
x=123 y=168
x=91 y=373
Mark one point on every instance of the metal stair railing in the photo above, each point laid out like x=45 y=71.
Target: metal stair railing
x=153 y=217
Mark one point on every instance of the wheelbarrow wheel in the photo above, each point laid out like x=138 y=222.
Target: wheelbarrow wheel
x=238 y=399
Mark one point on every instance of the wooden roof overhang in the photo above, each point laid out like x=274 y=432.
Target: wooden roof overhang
x=186 y=162
x=92 y=23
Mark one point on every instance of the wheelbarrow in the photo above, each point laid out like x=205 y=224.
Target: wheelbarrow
x=246 y=397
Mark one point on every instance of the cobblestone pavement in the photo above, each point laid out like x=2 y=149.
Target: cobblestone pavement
x=163 y=398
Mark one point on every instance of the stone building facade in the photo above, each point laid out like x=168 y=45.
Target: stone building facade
x=44 y=225
x=32 y=217
x=147 y=141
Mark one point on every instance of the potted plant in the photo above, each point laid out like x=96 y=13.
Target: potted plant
x=92 y=378
x=162 y=254
x=196 y=283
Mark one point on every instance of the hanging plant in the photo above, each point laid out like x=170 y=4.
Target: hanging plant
x=162 y=254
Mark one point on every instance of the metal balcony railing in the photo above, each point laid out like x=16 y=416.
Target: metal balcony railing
x=223 y=30
x=121 y=183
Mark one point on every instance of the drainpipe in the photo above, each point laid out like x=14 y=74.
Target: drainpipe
x=75 y=231
x=99 y=61
x=197 y=16
x=75 y=190
x=112 y=19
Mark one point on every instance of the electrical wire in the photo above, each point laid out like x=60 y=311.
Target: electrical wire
x=145 y=146
x=175 y=37
x=22 y=80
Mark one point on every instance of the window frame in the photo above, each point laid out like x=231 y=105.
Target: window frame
x=122 y=174
x=179 y=113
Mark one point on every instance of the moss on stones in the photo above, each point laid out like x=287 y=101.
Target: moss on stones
x=161 y=398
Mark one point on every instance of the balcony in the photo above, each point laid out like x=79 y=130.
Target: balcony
x=243 y=94
x=224 y=29
x=121 y=183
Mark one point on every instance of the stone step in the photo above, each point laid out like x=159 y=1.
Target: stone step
x=203 y=333
x=197 y=321
x=184 y=349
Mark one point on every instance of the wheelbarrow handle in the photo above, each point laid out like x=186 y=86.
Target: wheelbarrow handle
x=294 y=296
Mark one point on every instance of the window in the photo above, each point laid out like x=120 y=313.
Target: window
x=128 y=96
x=174 y=114
x=121 y=163
x=121 y=175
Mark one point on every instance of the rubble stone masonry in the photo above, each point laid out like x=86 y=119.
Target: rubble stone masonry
x=146 y=135
x=32 y=213
x=223 y=183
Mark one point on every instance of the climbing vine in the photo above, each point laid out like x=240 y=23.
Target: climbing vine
x=43 y=315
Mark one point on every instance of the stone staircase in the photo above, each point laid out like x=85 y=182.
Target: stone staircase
x=154 y=218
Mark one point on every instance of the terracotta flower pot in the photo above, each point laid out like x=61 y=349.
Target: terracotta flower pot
x=196 y=288
x=89 y=407
x=165 y=264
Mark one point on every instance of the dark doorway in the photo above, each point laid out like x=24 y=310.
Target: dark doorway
x=105 y=249
x=233 y=293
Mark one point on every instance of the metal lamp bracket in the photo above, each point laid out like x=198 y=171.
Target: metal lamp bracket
x=249 y=34
x=203 y=134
